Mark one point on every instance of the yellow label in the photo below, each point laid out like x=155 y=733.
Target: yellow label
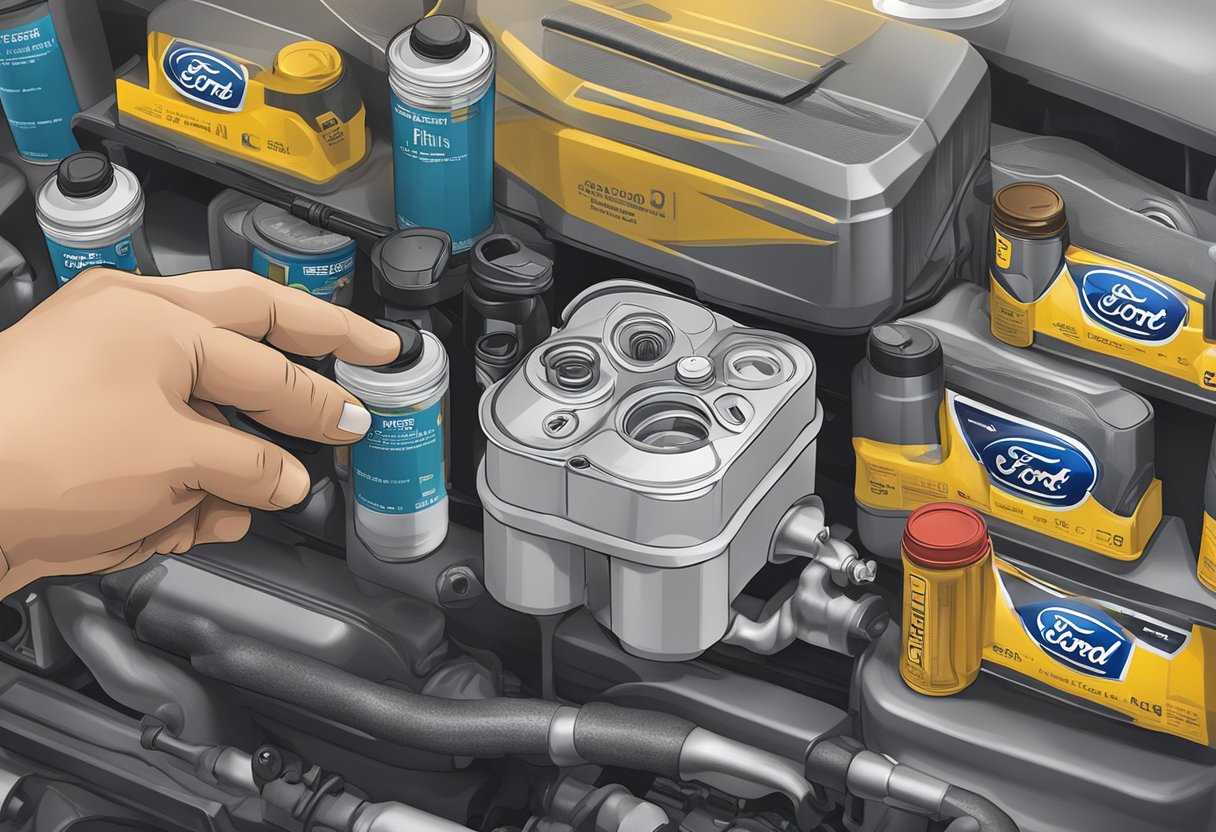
x=1011 y=320
x=943 y=639
x=916 y=600
x=1207 y=553
x=903 y=478
x=1004 y=251
x=1180 y=352
x=1157 y=689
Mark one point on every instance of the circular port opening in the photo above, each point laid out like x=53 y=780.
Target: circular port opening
x=667 y=426
x=579 y=463
x=644 y=339
x=755 y=367
x=572 y=367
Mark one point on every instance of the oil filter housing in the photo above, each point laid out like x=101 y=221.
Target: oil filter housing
x=638 y=461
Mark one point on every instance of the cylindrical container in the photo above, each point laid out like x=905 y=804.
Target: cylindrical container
x=398 y=471
x=1207 y=544
x=946 y=556
x=288 y=250
x=90 y=211
x=35 y=85
x=1030 y=237
x=899 y=388
x=441 y=73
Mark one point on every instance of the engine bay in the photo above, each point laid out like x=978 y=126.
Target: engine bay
x=704 y=311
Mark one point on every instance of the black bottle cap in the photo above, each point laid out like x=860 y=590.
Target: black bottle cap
x=903 y=350
x=440 y=37
x=84 y=174
x=411 y=345
x=503 y=268
x=407 y=262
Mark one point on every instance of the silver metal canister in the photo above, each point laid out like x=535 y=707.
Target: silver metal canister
x=91 y=212
x=441 y=73
x=398 y=471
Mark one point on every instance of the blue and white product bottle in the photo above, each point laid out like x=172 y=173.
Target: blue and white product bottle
x=441 y=73
x=398 y=471
x=35 y=85
x=91 y=212
x=288 y=250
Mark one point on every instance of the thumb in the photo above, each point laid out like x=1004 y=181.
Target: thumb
x=245 y=470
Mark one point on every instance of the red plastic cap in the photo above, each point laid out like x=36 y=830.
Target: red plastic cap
x=945 y=536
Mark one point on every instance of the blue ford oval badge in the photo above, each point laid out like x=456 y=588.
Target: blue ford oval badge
x=1024 y=459
x=1080 y=636
x=1129 y=304
x=206 y=77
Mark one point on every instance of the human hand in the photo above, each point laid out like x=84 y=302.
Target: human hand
x=111 y=445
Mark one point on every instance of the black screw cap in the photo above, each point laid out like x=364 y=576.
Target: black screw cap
x=84 y=174
x=903 y=350
x=440 y=37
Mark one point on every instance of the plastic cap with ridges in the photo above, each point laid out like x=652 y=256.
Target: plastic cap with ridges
x=945 y=536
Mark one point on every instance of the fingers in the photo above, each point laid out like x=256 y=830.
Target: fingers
x=244 y=470
x=212 y=521
x=292 y=320
x=208 y=410
x=232 y=370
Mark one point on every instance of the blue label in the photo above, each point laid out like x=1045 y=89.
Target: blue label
x=319 y=276
x=1024 y=459
x=398 y=467
x=1129 y=304
x=36 y=91
x=1080 y=636
x=69 y=261
x=206 y=77
x=443 y=169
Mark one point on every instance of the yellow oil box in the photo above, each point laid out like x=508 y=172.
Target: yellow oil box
x=300 y=116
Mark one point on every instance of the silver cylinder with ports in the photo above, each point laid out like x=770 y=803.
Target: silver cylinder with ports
x=637 y=463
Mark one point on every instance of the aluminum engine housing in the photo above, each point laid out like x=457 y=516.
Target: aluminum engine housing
x=616 y=477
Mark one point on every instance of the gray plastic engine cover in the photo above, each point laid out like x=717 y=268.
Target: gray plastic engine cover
x=656 y=541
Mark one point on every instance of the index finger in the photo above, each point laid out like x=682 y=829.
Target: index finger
x=288 y=318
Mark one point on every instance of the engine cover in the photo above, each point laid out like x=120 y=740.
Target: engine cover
x=810 y=162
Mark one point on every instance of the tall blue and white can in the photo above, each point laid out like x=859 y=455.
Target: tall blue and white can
x=91 y=212
x=398 y=471
x=441 y=73
x=288 y=250
x=35 y=85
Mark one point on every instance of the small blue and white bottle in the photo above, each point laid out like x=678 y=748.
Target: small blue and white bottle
x=91 y=212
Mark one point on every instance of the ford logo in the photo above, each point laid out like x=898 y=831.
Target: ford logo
x=1024 y=459
x=206 y=77
x=1082 y=637
x=1131 y=305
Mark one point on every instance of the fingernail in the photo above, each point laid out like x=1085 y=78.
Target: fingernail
x=292 y=488
x=354 y=419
